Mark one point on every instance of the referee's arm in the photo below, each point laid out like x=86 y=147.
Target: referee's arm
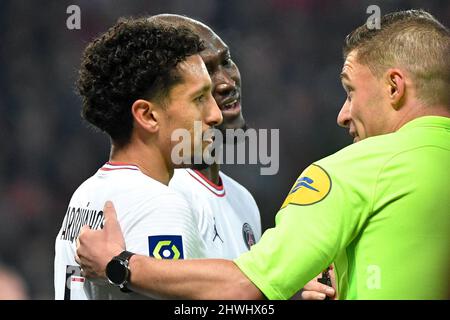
x=189 y=279
x=206 y=279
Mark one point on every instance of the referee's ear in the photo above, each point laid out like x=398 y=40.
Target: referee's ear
x=396 y=87
x=146 y=115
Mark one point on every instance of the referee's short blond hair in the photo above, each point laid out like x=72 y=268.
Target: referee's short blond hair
x=411 y=39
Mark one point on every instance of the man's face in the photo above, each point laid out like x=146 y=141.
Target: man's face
x=225 y=77
x=364 y=111
x=190 y=101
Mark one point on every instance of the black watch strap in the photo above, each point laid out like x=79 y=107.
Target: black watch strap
x=125 y=257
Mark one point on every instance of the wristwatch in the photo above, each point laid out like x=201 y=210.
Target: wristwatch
x=117 y=270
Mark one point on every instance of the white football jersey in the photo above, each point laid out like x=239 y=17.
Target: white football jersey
x=155 y=221
x=228 y=217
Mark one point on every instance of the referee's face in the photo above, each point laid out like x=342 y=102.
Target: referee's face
x=365 y=110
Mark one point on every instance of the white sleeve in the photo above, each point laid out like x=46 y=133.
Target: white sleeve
x=162 y=227
x=258 y=220
x=253 y=208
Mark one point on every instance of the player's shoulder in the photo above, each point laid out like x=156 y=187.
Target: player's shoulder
x=229 y=182
x=182 y=183
x=151 y=196
x=160 y=192
x=374 y=152
x=180 y=176
x=233 y=187
x=85 y=187
x=369 y=154
x=193 y=184
x=134 y=182
x=127 y=184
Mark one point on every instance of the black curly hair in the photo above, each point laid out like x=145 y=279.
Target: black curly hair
x=134 y=59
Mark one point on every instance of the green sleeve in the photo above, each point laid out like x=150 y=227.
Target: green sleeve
x=307 y=236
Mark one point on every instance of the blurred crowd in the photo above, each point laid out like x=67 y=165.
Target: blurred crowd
x=289 y=55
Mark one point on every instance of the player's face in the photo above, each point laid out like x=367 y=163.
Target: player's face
x=363 y=111
x=190 y=101
x=225 y=77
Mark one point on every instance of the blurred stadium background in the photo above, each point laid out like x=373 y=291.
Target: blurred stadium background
x=289 y=55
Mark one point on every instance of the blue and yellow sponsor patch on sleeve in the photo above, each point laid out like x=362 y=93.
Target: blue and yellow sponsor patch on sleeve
x=166 y=247
x=312 y=186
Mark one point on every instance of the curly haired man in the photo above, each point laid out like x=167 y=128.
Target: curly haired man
x=139 y=81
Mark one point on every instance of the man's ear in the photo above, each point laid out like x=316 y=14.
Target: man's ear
x=146 y=115
x=396 y=85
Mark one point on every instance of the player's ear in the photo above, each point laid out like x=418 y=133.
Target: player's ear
x=146 y=114
x=396 y=86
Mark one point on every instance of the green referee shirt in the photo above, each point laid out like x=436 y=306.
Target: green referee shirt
x=378 y=209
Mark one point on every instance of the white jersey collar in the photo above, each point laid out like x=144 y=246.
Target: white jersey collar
x=217 y=190
x=112 y=165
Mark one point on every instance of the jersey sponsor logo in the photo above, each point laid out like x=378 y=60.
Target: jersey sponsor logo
x=249 y=236
x=312 y=186
x=166 y=247
x=304 y=182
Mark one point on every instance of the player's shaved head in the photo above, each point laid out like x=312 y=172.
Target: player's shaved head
x=201 y=29
x=223 y=71
x=178 y=20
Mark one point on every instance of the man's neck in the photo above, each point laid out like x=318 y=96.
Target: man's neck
x=212 y=173
x=420 y=110
x=147 y=158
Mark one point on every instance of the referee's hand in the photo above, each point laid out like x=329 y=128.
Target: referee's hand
x=95 y=248
x=314 y=290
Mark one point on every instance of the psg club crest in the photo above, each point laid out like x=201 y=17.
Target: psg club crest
x=249 y=236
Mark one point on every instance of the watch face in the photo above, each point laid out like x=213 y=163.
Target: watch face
x=116 y=272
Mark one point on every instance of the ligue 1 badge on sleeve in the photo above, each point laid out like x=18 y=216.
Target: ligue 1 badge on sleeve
x=166 y=247
x=249 y=236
